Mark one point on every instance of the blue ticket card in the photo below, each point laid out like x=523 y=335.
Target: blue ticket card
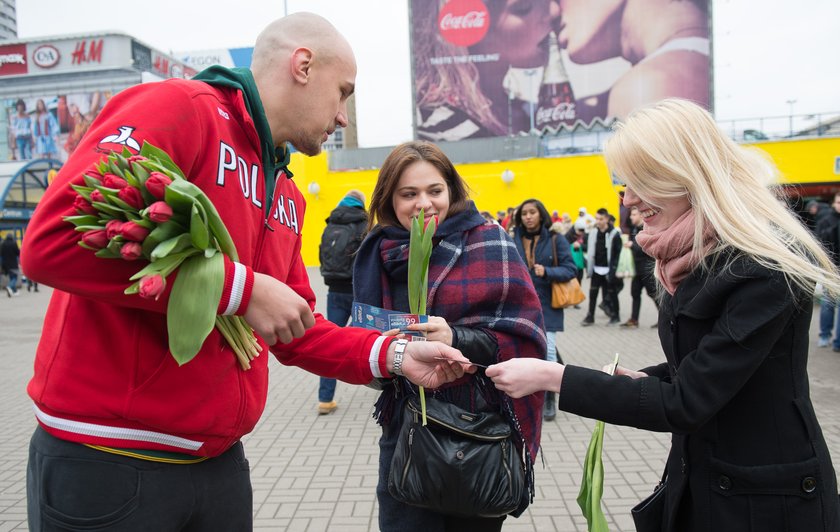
x=380 y=319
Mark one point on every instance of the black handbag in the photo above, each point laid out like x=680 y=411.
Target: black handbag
x=461 y=463
x=648 y=515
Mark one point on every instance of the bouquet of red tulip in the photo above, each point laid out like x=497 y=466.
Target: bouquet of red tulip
x=140 y=207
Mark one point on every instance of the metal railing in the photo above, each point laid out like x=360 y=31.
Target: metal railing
x=579 y=141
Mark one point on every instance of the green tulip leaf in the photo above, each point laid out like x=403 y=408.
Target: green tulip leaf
x=166 y=265
x=104 y=253
x=133 y=289
x=173 y=245
x=117 y=202
x=90 y=181
x=217 y=227
x=140 y=172
x=592 y=483
x=121 y=161
x=191 y=312
x=198 y=228
x=112 y=166
x=162 y=158
x=178 y=199
x=82 y=219
x=165 y=231
x=110 y=209
x=83 y=191
x=129 y=177
x=86 y=228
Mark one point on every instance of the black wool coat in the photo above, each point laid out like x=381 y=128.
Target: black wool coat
x=747 y=451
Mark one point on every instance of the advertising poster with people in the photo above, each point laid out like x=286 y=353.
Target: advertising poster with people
x=50 y=127
x=485 y=68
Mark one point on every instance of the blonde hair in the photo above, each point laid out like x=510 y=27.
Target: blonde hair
x=674 y=148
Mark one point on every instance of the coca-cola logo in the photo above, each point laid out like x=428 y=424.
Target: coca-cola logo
x=464 y=22
x=564 y=112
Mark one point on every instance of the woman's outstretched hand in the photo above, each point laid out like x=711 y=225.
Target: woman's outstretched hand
x=436 y=329
x=523 y=376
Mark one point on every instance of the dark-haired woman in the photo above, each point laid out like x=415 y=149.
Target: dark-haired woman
x=549 y=259
x=479 y=300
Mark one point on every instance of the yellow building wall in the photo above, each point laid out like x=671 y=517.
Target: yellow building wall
x=563 y=184
x=804 y=161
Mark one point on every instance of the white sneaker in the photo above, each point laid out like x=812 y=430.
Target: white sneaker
x=824 y=342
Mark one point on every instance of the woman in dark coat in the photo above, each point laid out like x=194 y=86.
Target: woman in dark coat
x=538 y=248
x=738 y=272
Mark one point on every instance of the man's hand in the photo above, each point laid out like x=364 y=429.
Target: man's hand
x=523 y=376
x=436 y=329
x=423 y=366
x=276 y=312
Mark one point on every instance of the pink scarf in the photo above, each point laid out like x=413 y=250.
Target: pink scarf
x=671 y=248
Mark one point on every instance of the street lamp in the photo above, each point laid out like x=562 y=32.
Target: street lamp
x=790 y=116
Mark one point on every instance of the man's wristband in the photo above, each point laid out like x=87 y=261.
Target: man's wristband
x=399 y=352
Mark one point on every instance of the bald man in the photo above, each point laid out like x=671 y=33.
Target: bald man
x=126 y=438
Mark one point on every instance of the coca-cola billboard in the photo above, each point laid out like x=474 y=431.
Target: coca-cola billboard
x=519 y=67
x=463 y=22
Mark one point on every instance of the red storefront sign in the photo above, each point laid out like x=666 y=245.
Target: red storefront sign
x=13 y=60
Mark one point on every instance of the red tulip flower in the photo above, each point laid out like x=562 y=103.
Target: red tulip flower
x=136 y=159
x=82 y=205
x=133 y=232
x=131 y=196
x=131 y=251
x=159 y=212
x=114 y=181
x=97 y=196
x=112 y=228
x=156 y=184
x=152 y=286
x=95 y=238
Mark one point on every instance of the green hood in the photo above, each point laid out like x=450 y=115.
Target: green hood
x=273 y=158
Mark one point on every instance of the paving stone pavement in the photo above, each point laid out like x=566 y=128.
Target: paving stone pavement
x=317 y=473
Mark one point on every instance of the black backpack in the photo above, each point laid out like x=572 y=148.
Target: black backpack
x=337 y=251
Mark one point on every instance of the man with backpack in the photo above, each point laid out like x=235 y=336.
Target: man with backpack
x=346 y=228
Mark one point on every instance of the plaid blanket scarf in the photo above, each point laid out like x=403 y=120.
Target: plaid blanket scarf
x=476 y=279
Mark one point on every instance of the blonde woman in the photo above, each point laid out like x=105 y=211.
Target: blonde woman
x=738 y=272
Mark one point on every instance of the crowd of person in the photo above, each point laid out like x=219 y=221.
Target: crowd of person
x=734 y=270
x=603 y=250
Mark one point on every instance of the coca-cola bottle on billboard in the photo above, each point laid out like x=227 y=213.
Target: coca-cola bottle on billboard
x=556 y=104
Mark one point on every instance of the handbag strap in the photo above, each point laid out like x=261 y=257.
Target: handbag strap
x=554 y=248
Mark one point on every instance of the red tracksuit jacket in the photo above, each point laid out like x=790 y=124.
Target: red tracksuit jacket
x=103 y=373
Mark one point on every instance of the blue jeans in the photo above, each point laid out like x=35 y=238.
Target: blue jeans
x=13 y=279
x=551 y=346
x=339 y=306
x=24 y=146
x=829 y=319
